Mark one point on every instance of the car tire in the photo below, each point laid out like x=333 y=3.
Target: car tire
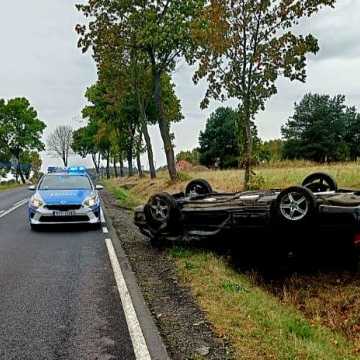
x=96 y=226
x=198 y=187
x=320 y=182
x=162 y=213
x=35 y=227
x=295 y=205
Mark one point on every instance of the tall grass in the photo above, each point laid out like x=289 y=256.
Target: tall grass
x=279 y=175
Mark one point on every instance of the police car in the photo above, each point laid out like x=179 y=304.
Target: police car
x=65 y=197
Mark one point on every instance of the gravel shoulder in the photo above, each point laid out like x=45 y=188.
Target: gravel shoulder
x=183 y=326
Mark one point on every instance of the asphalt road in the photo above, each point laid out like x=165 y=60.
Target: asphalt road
x=58 y=297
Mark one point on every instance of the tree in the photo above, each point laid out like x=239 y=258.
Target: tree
x=60 y=141
x=319 y=129
x=162 y=30
x=222 y=141
x=20 y=130
x=245 y=45
x=271 y=150
x=84 y=143
x=352 y=133
x=36 y=164
x=193 y=157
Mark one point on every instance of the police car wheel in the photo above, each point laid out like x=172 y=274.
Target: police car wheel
x=35 y=227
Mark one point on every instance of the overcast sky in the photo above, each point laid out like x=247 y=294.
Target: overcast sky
x=39 y=59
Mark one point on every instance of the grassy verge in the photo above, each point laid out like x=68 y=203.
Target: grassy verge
x=9 y=186
x=256 y=323
x=125 y=198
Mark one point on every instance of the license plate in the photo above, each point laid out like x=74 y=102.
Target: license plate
x=64 y=213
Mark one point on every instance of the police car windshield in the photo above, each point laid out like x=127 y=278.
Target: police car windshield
x=65 y=182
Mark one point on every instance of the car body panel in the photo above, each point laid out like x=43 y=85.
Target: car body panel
x=64 y=197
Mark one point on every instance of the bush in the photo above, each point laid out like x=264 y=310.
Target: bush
x=257 y=182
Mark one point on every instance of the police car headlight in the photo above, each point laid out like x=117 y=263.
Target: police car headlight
x=36 y=201
x=91 y=200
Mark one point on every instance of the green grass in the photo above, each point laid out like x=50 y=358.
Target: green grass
x=125 y=198
x=256 y=323
x=5 y=187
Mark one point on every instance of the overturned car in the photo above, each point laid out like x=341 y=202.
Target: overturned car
x=317 y=206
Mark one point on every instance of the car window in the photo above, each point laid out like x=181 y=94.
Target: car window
x=65 y=182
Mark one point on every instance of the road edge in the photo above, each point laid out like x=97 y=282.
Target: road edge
x=150 y=331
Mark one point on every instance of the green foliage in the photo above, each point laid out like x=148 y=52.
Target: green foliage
x=163 y=30
x=232 y=287
x=270 y=151
x=180 y=252
x=222 y=141
x=183 y=176
x=84 y=140
x=156 y=33
x=245 y=46
x=123 y=196
x=20 y=129
x=257 y=182
x=322 y=129
x=36 y=164
x=193 y=156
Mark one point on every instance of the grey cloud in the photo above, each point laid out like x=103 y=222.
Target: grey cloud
x=39 y=59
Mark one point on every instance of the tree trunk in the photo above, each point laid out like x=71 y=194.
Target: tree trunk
x=130 y=161
x=145 y=131
x=164 y=127
x=121 y=167
x=138 y=156
x=247 y=149
x=93 y=156
x=115 y=168
x=99 y=160
x=64 y=159
x=139 y=166
x=108 y=166
x=21 y=173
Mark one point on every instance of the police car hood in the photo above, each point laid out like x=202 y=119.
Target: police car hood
x=64 y=197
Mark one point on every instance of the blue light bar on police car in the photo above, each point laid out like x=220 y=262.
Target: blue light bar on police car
x=76 y=169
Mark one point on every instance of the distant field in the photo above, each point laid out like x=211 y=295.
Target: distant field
x=313 y=316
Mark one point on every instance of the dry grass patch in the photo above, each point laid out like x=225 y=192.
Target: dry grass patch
x=329 y=299
x=281 y=175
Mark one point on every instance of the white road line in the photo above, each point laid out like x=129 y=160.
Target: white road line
x=141 y=350
x=105 y=230
x=16 y=206
x=102 y=217
x=19 y=202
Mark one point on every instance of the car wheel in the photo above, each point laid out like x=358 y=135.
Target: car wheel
x=295 y=205
x=198 y=187
x=320 y=182
x=35 y=227
x=161 y=212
